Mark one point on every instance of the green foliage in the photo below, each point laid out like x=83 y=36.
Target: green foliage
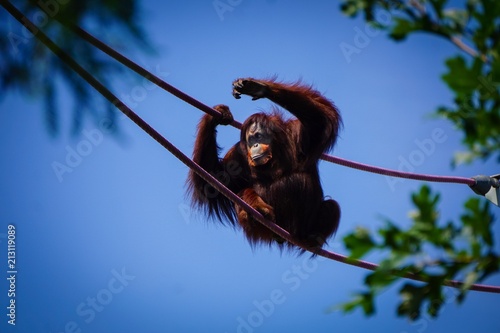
x=440 y=251
x=477 y=105
x=363 y=300
x=475 y=82
x=435 y=250
x=461 y=250
x=27 y=66
x=402 y=28
x=359 y=242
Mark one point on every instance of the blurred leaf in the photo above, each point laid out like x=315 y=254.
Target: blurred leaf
x=402 y=28
x=27 y=66
x=351 y=7
x=488 y=265
x=426 y=203
x=380 y=279
x=390 y=234
x=412 y=299
x=438 y=6
x=478 y=220
x=474 y=29
x=470 y=279
x=359 y=242
x=457 y=19
x=461 y=78
x=363 y=301
x=465 y=250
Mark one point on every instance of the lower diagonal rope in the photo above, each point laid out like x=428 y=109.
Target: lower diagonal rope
x=99 y=87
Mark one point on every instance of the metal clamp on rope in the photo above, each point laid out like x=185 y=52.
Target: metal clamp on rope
x=487 y=186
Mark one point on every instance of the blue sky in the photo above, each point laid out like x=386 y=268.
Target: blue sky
x=113 y=246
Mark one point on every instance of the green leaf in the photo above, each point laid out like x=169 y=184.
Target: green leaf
x=380 y=279
x=479 y=221
x=402 y=27
x=348 y=306
x=359 y=242
x=412 y=299
x=489 y=264
x=463 y=80
x=434 y=294
x=470 y=279
x=351 y=7
x=426 y=203
x=36 y=72
x=361 y=300
x=438 y=5
x=457 y=19
x=390 y=234
x=453 y=249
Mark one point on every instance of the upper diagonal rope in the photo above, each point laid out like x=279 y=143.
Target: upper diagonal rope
x=207 y=109
x=105 y=92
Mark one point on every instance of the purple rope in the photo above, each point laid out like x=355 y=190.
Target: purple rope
x=207 y=109
x=399 y=174
x=144 y=72
x=195 y=167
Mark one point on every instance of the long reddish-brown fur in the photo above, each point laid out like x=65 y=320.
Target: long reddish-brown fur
x=288 y=190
